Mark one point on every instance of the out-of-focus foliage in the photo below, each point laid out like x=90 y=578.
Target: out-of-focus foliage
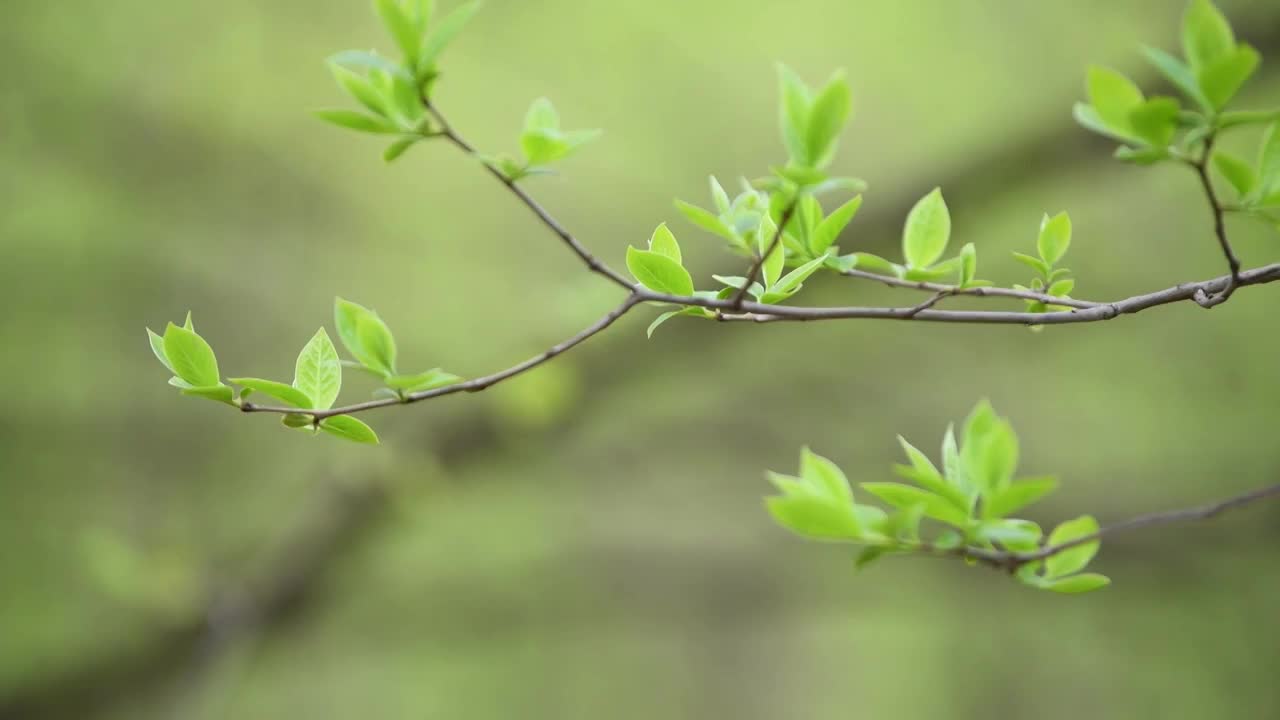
x=565 y=567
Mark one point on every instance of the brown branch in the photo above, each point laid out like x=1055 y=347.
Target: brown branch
x=1201 y=167
x=758 y=264
x=973 y=292
x=1011 y=561
x=474 y=385
x=593 y=263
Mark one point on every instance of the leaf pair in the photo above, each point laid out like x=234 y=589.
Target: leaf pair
x=192 y=362
x=1060 y=572
x=811 y=122
x=736 y=220
x=542 y=143
x=371 y=343
x=1258 y=186
x=1051 y=245
x=925 y=236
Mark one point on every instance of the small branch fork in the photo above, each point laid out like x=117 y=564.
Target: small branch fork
x=1012 y=561
x=1201 y=167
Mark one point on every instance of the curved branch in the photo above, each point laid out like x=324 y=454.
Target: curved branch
x=1011 y=561
x=1201 y=167
x=474 y=385
x=972 y=292
x=593 y=263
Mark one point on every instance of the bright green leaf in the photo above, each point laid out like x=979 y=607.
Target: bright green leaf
x=815 y=517
x=664 y=242
x=1074 y=559
x=658 y=272
x=278 y=390
x=927 y=231
x=1156 y=120
x=349 y=428
x=442 y=33
x=218 y=393
x=357 y=121
x=1206 y=35
x=1223 y=79
x=401 y=27
x=1177 y=73
x=1019 y=495
x=1236 y=171
x=191 y=357
x=318 y=373
x=157 y=347
x=791 y=282
x=825 y=476
x=825 y=234
x=905 y=496
x=827 y=117
x=423 y=381
x=1082 y=583
x=794 y=105
x=365 y=336
x=1055 y=238
x=1114 y=97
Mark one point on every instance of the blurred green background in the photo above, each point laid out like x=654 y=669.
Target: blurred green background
x=588 y=541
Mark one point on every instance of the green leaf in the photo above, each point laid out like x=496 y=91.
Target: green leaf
x=349 y=428
x=359 y=88
x=794 y=105
x=825 y=234
x=868 y=262
x=157 y=347
x=905 y=496
x=868 y=555
x=218 y=393
x=1016 y=535
x=1055 y=238
x=664 y=242
x=719 y=196
x=1236 y=171
x=191 y=357
x=1156 y=120
x=1269 y=162
x=827 y=117
x=1034 y=263
x=1114 y=97
x=443 y=33
x=365 y=336
x=791 y=282
x=824 y=476
x=423 y=381
x=541 y=115
x=353 y=120
x=398 y=148
x=968 y=264
x=1242 y=118
x=815 y=517
x=542 y=147
x=1178 y=73
x=1223 y=79
x=990 y=451
x=658 y=272
x=279 y=391
x=297 y=421
x=369 y=61
x=1076 y=558
x=705 y=220
x=318 y=373
x=1206 y=35
x=401 y=27
x=927 y=231
x=1019 y=495
x=1062 y=288
x=1087 y=116
x=924 y=473
x=773 y=265
x=1082 y=583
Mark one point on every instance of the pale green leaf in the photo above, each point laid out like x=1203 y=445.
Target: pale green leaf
x=349 y=428
x=191 y=357
x=927 y=231
x=658 y=272
x=1074 y=559
x=318 y=373
x=278 y=390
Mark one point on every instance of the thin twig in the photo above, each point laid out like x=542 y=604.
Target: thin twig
x=1219 y=228
x=758 y=264
x=975 y=291
x=1013 y=560
x=593 y=263
x=474 y=385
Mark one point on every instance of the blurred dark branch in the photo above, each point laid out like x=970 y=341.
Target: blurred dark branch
x=1011 y=561
x=279 y=590
x=758 y=263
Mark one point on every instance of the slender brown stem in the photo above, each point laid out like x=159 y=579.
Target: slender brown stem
x=1219 y=229
x=974 y=292
x=756 y=266
x=1013 y=560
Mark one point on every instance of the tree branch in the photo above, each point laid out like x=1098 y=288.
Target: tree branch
x=1011 y=561
x=593 y=263
x=1219 y=229
x=758 y=264
x=973 y=292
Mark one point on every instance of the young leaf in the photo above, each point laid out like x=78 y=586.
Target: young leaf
x=773 y=265
x=1082 y=583
x=719 y=196
x=1206 y=34
x=1074 y=559
x=1034 y=263
x=707 y=221
x=793 y=115
x=1019 y=495
x=791 y=282
x=664 y=242
x=401 y=27
x=1269 y=162
x=278 y=390
x=968 y=264
x=359 y=87
x=825 y=234
x=1236 y=171
x=1114 y=97
x=827 y=117
x=443 y=33
x=541 y=115
x=218 y=393
x=1221 y=80
x=349 y=428
x=905 y=496
x=1155 y=120
x=659 y=272
x=157 y=347
x=824 y=476
x=815 y=517
x=1055 y=238
x=192 y=358
x=398 y=148
x=365 y=336
x=927 y=231
x=353 y=120
x=868 y=262
x=1177 y=73
x=424 y=381
x=318 y=373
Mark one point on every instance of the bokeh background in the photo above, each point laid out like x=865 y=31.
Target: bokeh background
x=588 y=541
